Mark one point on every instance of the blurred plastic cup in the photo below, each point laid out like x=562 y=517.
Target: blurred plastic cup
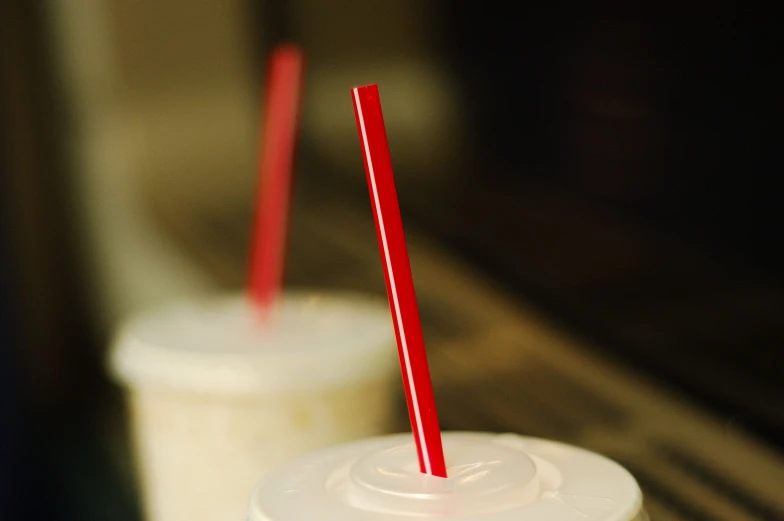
x=491 y=478
x=216 y=398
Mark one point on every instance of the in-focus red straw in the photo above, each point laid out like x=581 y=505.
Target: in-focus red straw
x=400 y=284
x=276 y=160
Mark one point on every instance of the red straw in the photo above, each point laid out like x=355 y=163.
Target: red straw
x=400 y=285
x=276 y=158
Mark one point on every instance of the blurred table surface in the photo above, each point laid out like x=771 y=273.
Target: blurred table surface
x=499 y=364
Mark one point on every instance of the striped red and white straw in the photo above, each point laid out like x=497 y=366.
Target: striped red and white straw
x=399 y=282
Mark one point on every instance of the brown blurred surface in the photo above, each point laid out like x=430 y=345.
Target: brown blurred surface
x=51 y=309
x=611 y=186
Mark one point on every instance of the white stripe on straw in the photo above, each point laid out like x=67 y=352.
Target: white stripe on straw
x=393 y=288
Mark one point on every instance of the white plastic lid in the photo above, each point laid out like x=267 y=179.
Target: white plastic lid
x=491 y=478
x=219 y=346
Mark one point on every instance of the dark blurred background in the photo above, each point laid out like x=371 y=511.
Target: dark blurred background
x=613 y=164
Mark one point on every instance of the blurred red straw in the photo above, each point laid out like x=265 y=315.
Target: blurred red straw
x=400 y=284
x=276 y=160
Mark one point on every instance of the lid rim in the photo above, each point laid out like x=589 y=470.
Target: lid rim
x=137 y=362
x=593 y=484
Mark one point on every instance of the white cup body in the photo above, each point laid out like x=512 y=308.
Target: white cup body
x=216 y=398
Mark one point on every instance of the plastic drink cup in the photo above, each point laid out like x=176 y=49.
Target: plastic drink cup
x=216 y=397
x=491 y=478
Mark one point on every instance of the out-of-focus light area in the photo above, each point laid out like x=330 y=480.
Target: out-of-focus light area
x=611 y=170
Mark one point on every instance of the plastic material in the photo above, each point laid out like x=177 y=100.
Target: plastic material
x=219 y=346
x=217 y=398
x=399 y=281
x=491 y=478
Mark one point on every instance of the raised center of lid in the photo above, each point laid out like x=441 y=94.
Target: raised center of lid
x=483 y=477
